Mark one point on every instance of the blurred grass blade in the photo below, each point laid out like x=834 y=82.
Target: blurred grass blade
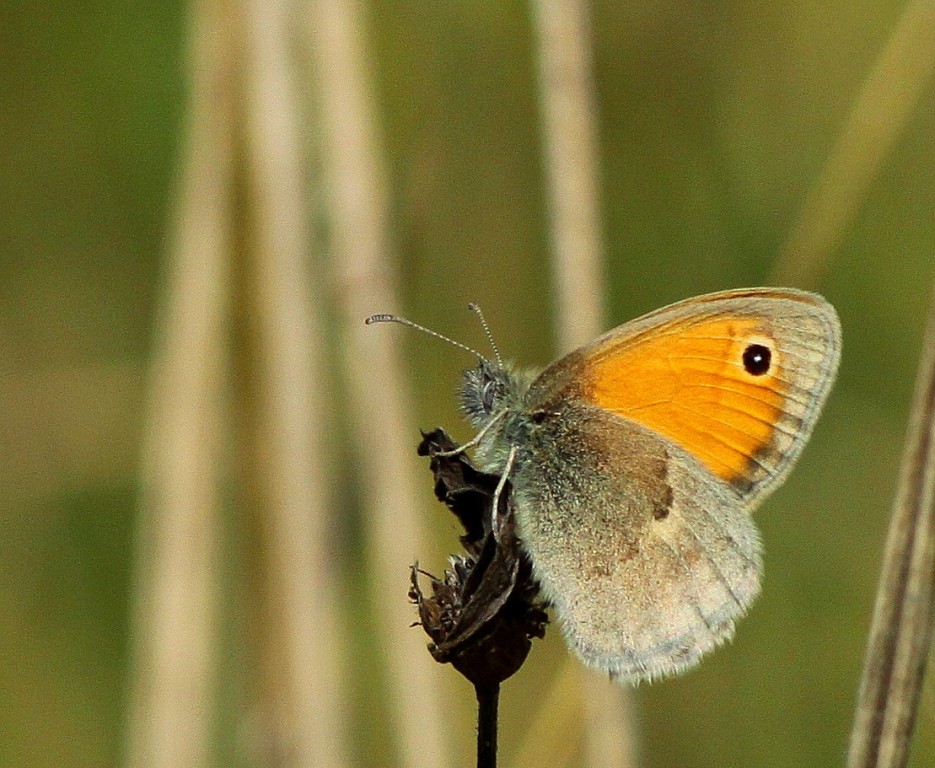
x=880 y=112
x=175 y=625
x=572 y=158
x=305 y=635
x=385 y=435
x=901 y=632
x=556 y=729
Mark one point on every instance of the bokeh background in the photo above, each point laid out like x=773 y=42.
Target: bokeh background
x=715 y=122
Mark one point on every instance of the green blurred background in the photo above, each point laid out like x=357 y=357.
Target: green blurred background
x=715 y=120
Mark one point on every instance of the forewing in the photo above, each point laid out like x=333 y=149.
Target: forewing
x=692 y=372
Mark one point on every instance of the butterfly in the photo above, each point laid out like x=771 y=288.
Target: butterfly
x=637 y=459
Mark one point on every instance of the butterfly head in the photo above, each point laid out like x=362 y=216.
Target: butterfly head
x=487 y=390
x=491 y=392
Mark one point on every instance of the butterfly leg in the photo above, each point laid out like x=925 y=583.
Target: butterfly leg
x=495 y=509
x=474 y=440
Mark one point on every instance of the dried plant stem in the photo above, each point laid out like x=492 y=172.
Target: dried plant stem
x=901 y=632
x=879 y=113
x=572 y=154
x=374 y=373
x=572 y=161
x=307 y=637
x=172 y=703
x=610 y=723
x=488 y=700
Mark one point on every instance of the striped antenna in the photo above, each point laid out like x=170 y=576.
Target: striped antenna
x=385 y=318
x=483 y=321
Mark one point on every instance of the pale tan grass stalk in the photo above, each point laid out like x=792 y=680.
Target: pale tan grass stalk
x=175 y=632
x=295 y=480
x=377 y=394
x=572 y=157
x=879 y=113
x=901 y=632
x=556 y=729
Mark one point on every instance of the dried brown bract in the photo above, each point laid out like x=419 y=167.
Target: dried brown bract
x=483 y=615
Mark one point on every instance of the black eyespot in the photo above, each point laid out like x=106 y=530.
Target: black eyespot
x=756 y=359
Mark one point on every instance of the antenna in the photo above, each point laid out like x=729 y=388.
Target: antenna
x=483 y=321
x=384 y=318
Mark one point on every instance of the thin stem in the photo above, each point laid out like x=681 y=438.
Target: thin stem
x=488 y=700
x=572 y=161
x=365 y=280
x=571 y=148
x=901 y=633
x=306 y=694
x=177 y=586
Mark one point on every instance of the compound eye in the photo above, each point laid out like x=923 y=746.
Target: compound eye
x=487 y=396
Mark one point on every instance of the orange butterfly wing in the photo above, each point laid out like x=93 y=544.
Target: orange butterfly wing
x=736 y=379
